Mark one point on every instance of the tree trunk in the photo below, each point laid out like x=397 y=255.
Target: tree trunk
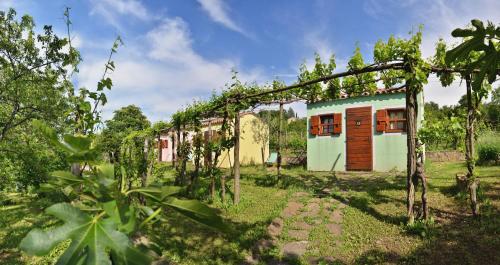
x=474 y=184
x=178 y=150
x=159 y=148
x=236 y=158
x=75 y=169
x=469 y=148
x=411 y=154
x=173 y=149
x=223 y=188
x=280 y=117
x=194 y=177
x=184 y=157
x=262 y=152
x=420 y=172
x=469 y=132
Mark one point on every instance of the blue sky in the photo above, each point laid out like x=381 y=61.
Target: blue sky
x=179 y=50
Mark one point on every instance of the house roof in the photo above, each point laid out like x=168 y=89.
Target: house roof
x=379 y=91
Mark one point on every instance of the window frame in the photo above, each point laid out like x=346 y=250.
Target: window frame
x=389 y=120
x=332 y=124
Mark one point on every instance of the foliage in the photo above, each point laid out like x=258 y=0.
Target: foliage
x=114 y=214
x=483 y=40
x=31 y=69
x=440 y=131
x=315 y=92
x=416 y=70
x=488 y=148
x=86 y=114
x=124 y=121
x=491 y=110
x=260 y=134
x=423 y=228
x=358 y=84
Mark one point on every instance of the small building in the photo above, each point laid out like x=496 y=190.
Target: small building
x=362 y=133
x=254 y=140
x=168 y=145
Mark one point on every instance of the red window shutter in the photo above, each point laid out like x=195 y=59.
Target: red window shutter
x=337 y=123
x=166 y=144
x=381 y=120
x=314 y=123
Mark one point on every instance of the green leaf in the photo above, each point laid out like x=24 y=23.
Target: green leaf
x=123 y=215
x=197 y=211
x=462 y=33
x=157 y=193
x=93 y=239
x=478 y=24
x=50 y=135
x=66 y=176
x=461 y=51
x=79 y=143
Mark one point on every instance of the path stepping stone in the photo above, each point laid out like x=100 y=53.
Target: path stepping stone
x=302 y=225
x=299 y=234
x=311 y=209
x=275 y=228
x=336 y=216
x=295 y=249
x=335 y=229
x=300 y=194
x=291 y=209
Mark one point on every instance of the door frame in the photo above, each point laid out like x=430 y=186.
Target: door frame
x=370 y=120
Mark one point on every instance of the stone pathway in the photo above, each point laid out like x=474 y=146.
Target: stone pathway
x=291 y=232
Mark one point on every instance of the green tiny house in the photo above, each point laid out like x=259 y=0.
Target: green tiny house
x=363 y=133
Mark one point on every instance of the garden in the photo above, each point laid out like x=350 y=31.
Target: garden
x=76 y=189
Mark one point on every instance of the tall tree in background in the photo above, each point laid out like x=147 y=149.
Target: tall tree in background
x=124 y=121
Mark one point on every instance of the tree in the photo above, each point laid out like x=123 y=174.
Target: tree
x=290 y=113
x=261 y=136
x=478 y=54
x=492 y=110
x=124 y=121
x=31 y=69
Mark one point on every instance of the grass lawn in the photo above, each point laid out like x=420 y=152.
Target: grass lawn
x=372 y=225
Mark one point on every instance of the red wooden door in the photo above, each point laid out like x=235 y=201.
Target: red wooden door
x=359 y=139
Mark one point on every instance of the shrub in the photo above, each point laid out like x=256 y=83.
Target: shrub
x=422 y=228
x=488 y=148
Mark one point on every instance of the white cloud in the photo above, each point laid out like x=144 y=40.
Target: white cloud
x=162 y=72
x=218 y=11
x=112 y=10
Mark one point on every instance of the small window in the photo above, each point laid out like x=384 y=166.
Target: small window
x=397 y=120
x=326 y=124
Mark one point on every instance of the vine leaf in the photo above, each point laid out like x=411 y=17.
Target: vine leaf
x=92 y=239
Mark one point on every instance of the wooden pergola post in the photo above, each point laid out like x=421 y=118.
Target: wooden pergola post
x=236 y=167
x=280 y=125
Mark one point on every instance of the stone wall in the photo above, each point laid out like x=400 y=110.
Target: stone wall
x=443 y=156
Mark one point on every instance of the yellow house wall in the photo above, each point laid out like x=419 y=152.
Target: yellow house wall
x=250 y=150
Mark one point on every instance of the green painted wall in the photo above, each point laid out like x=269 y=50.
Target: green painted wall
x=326 y=153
